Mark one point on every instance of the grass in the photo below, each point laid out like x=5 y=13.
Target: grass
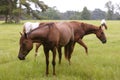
x=102 y=63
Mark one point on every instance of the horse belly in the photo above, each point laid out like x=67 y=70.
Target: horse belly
x=66 y=33
x=66 y=36
x=63 y=42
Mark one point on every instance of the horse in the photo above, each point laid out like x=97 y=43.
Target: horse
x=51 y=36
x=82 y=29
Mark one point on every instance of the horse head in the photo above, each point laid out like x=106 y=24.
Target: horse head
x=25 y=46
x=100 y=32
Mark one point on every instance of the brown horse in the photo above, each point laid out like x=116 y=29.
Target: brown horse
x=80 y=30
x=52 y=36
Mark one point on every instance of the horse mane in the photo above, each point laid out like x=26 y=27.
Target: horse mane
x=90 y=25
x=89 y=28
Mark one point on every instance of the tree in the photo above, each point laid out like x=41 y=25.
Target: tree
x=70 y=15
x=98 y=14
x=6 y=9
x=110 y=11
x=12 y=11
x=51 y=13
x=85 y=15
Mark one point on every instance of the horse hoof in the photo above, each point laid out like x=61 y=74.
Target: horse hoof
x=54 y=74
x=35 y=55
x=59 y=62
x=46 y=75
x=69 y=62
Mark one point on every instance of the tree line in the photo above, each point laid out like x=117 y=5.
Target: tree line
x=113 y=13
x=15 y=10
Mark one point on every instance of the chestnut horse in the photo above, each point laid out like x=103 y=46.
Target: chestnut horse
x=80 y=30
x=52 y=36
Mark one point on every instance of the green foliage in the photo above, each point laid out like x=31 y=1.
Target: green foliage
x=98 y=14
x=85 y=15
x=12 y=11
x=50 y=13
x=4 y=7
x=110 y=11
x=102 y=62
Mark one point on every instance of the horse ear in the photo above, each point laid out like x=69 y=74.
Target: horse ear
x=20 y=33
x=103 y=24
x=101 y=27
x=25 y=35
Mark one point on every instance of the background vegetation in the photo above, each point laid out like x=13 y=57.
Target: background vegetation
x=102 y=63
x=16 y=10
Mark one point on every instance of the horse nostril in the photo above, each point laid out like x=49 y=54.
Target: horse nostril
x=104 y=41
x=21 y=58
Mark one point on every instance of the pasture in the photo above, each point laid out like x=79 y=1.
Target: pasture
x=102 y=62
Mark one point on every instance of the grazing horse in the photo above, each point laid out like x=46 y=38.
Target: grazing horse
x=81 y=29
x=52 y=36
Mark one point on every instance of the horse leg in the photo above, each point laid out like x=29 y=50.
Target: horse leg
x=70 y=50
x=46 y=51
x=53 y=61
x=36 y=50
x=83 y=44
x=66 y=51
x=60 y=54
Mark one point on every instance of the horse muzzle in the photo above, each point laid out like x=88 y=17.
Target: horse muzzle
x=104 y=41
x=21 y=57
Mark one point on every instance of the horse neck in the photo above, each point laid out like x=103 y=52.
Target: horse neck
x=90 y=29
x=39 y=34
x=33 y=36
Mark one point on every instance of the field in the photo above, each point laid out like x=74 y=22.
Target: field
x=102 y=63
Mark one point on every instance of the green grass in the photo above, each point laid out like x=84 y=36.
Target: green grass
x=102 y=63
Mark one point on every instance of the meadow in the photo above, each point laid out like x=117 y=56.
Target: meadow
x=102 y=62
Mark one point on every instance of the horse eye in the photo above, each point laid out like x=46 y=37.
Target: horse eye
x=24 y=44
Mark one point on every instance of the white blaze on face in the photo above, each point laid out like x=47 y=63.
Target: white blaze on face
x=30 y=26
